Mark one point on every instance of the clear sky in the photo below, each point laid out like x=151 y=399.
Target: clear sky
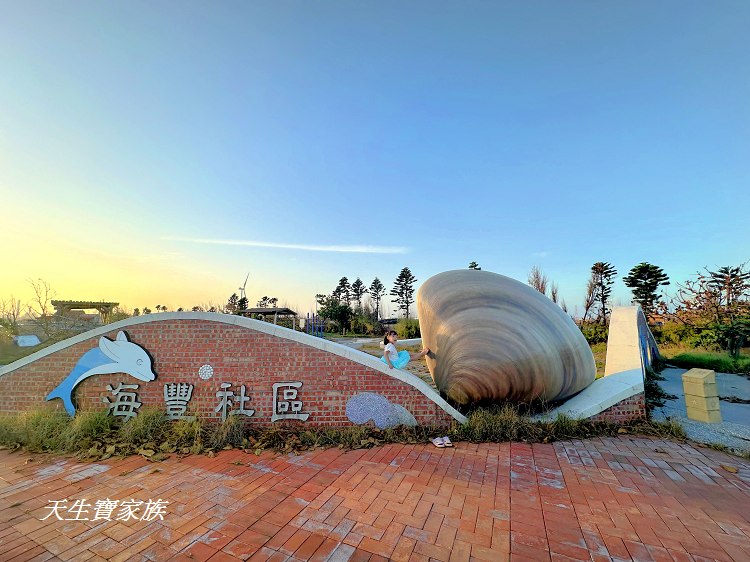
x=421 y=134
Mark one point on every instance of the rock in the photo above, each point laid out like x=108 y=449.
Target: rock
x=495 y=339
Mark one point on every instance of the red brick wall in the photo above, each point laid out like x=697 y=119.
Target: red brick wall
x=238 y=355
x=629 y=409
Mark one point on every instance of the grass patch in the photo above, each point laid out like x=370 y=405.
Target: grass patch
x=714 y=360
x=10 y=352
x=95 y=435
x=506 y=423
x=600 y=357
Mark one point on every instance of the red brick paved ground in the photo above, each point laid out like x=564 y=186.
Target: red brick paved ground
x=602 y=499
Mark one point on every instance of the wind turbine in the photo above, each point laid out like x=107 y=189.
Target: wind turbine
x=242 y=289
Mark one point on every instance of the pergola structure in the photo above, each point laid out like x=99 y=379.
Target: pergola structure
x=264 y=312
x=104 y=308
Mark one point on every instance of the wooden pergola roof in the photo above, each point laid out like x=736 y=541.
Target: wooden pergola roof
x=104 y=308
x=267 y=311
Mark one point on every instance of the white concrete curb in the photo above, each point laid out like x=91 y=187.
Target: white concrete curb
x=603 y=393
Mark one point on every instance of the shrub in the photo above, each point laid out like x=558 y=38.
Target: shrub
x=85 y=428
x=654 y=394
x=12 y=434
x=229 y=433
x=594 y=333
x=149 y=426
x=734 y=335
x=494 y=424
x=6 y=336
x=43 y=429
x=673 y=333
x=407 y=328
x=364 y=324
x=186 y=433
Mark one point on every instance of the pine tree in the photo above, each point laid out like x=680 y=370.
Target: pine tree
x=602 y=273
x=474 y=265
x=377 y=290
x=644 y=280
x=358 y=291
x=403 y=290
x=343 y=291
x=231 y=306
x=730 y=285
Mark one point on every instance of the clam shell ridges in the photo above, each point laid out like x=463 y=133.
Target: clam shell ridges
x=492 y=338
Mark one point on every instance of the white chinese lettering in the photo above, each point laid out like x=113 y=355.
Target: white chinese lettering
x=289 y=408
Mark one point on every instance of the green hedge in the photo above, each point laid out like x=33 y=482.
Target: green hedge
x=408 y=328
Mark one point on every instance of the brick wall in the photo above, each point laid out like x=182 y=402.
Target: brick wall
x=238 y=355
x=629 y=409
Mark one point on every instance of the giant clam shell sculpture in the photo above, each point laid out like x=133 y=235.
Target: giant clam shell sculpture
x=494 y=339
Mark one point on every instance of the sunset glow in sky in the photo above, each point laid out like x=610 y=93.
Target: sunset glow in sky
x=155 y=153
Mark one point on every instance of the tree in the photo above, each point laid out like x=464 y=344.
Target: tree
x=733 y=336
x=602 y=274
x=358 y=290
x=474 y=265
x=333 y=309
x=731 y=284
x=118 y=314
x=343 y=290
x=242 y=304
x=403 y=290
x=713 y=297
x=10 y=313
x=146 y=310
x=267 y=302
x=590 y=300
x=377 y=291
x=194 y=309
x=553 y=292
x=538 y=280
x=40 y=309
x=644 y=280
x=231 y=306
x=136 y=312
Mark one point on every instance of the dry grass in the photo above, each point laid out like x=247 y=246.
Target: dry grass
x=418 y=367
x=94 y=435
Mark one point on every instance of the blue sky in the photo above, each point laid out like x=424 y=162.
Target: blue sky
x=428 y=133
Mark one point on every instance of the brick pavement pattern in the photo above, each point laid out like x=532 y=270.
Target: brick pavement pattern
x=601 y=499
